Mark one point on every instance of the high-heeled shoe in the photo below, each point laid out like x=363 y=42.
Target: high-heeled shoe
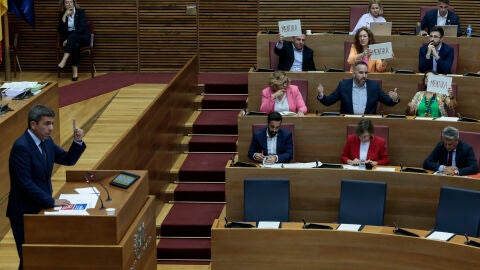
x=60 y=69
x=74 y=79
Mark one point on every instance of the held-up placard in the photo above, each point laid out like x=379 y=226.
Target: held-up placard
x=381 y=51
x=290 y=28
x=439 y=84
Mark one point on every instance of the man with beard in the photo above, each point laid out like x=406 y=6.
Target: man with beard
x=295 y=55
x=358 y=95
x=272 y=144
x=436 y=55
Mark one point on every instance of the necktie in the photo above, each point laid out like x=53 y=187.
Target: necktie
x=44 y=151
x=450 y=156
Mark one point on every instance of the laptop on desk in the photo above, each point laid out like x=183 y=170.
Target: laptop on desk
x=381 y=28
x=449 y=30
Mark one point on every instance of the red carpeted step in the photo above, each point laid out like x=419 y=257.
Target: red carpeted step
x=183 y=248
x=200 y=192
x=203 y=143
x=224 y=102
x=216 y=122
x=204 y=167
x=226 y=88
x=190 y=219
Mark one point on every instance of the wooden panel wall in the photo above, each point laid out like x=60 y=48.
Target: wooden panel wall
x=152 y=35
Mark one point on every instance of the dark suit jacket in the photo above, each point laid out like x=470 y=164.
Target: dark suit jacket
x=81 y=28
x=30 y=184
x=430 y=20
x=286 y=57
x=444 y=64
x=464 y=158
x=284 y=144
x=344 y=93
x=376 y=151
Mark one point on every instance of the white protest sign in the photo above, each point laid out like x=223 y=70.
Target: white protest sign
x=290 y=28
x=439 y=84
x=381 y=51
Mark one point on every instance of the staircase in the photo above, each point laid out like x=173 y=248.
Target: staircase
x=197 y=192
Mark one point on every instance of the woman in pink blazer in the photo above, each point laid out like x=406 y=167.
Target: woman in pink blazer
x=281 y=96
x=365 y=146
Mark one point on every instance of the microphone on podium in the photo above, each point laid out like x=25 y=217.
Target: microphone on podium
x=98 y=194
x=92 y=177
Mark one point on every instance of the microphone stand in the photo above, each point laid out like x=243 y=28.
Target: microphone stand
x=92 y=176
x=98 y=195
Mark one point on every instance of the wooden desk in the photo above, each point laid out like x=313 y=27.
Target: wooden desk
x=467 y=96
x=322 y=138
x=412 y=198
x=12 y=125
x=292 y=247
x=98 y=241
x=329 y=50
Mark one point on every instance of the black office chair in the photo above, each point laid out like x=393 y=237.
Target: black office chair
x=362 y=202
x=458 y=211
x=266 y=199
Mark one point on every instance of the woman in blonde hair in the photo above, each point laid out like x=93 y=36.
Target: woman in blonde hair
x=74 y=33
x=374 y=14
x=281 y=96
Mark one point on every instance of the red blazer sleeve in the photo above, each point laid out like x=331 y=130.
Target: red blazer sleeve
x=377 y=151
x=268 y=103
x=351 y=150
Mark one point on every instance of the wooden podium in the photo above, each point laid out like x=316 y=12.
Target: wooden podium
x=124 y=241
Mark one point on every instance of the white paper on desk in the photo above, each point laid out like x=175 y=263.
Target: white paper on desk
x=381 y=51
x=439 y=84
x=447 y=119
x=354 y=115
x=16 y=88
x=372 y=116
x=349 y=227
x=268 y=225
x=384 y=169
x=423 y=118
x=298 y=165
x=89 y=199
x=87 y=190
x=353 y=167
x=290 y=28
x=67 y=213
x=441 y=236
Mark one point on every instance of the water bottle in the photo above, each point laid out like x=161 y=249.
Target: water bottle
x=469 y=31
x=417 y=29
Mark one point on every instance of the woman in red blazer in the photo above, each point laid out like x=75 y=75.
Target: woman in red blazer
x=365 y=146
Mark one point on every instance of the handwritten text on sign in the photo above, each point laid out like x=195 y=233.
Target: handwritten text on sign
x=439 y=84
x=290 y=28
x=381 y=51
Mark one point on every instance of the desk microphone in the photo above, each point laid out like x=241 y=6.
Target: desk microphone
x=98 y=195
x=92 y=177
x=401 y=167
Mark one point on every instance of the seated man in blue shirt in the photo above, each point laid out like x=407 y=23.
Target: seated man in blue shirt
x=295 y=55
x=440 y=16
x=451 y=156
x=272 y=144
x=436 y=55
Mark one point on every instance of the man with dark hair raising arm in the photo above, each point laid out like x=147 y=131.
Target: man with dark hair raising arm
x=31 y=163
x=295 y=55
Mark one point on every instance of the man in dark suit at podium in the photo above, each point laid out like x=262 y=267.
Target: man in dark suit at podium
x=295 y=55
x=31 y=163
x=272 y=144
